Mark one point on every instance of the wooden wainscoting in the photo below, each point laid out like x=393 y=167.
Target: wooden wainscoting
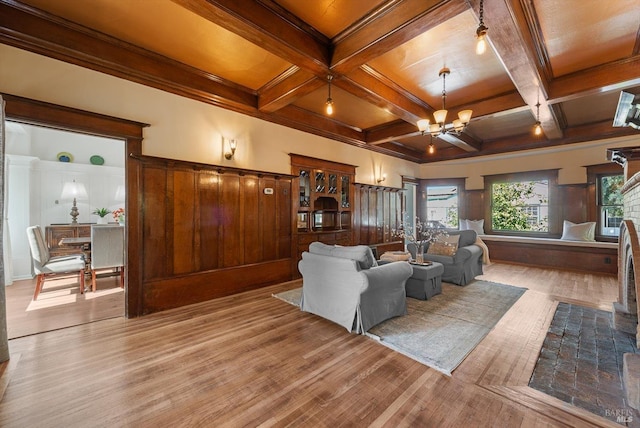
x=209 y=231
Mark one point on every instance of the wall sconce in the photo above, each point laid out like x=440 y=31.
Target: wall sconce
x=381 y=179
x=233 y=144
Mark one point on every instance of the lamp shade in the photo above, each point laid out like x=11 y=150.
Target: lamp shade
x=440 y=116
x=423 y=124
x=465 y=116
x=73 y=190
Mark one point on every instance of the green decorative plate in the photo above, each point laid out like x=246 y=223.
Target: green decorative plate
x=96 y=160
x=64 y=157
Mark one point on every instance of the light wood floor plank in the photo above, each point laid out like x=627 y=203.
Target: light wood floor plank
x=253 y=360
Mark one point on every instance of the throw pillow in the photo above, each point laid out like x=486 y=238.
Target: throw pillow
x=477 y=225
x=444 y=246
x=463 y=224
x=578 y=231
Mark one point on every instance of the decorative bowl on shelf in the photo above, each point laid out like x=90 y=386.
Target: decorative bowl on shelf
x=64 y=157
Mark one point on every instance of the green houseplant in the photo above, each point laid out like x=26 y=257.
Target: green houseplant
x=102 y=214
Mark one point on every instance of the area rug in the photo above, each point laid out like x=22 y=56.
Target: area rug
x=442 y=331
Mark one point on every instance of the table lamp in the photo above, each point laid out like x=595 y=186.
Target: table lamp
x=73 y=190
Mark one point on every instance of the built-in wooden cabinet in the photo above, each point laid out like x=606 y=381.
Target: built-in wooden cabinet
x=378 y=214
x=322 y=203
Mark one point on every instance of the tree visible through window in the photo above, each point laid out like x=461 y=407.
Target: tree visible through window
x=610 y=204
x=520 y=206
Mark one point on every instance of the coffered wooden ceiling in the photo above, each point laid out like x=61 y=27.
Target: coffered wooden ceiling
x=271 y=58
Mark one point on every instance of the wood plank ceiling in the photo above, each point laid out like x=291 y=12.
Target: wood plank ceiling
x=271 y=58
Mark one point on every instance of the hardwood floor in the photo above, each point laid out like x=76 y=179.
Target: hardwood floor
x=253 y=360
x=60 y=304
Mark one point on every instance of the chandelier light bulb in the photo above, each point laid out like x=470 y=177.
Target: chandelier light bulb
x=432 y=149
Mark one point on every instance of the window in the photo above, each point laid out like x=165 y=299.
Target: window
x=520 y=203
x=610 y=207
x=442 y=206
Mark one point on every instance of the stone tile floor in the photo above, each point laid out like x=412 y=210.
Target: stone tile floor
x=581 y=363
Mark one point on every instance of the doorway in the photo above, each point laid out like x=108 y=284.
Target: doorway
x=38 y=163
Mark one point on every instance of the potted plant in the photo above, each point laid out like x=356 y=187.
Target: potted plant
x=102 y=215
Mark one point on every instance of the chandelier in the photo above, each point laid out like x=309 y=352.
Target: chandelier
x=440 y=127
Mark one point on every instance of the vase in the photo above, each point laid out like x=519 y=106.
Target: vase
x=102 y=220
x=420 y=254
x=121 y=219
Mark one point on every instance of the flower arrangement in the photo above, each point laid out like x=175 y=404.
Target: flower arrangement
x=420 y=234
x=118 y=215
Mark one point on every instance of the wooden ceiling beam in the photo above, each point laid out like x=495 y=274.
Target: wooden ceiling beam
x=388 y=27
x=462 y=141
x=255 y=22
x=509 y=37
x=367 y=85
x=35 y=31
x=293 y=84
x=614 y=76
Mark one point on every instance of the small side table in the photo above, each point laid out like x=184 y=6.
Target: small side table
x=426 y=281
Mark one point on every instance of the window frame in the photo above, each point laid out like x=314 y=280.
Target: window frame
x=551 y=175
x=421 y=195
x=594 y=174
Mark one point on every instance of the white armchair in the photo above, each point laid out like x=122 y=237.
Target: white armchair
x=46 y=266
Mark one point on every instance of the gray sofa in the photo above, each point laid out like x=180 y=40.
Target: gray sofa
x=345 y=285
x=462 y=267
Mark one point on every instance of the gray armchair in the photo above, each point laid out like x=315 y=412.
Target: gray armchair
x=464 y=265
x=345 y=285
x=107 y=251
x=46 y=266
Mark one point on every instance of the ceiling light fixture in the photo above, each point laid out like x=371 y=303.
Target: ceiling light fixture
x=431 y=149
x=481 y=32
x=440 y=116
x=329 y=103
x=537 y=128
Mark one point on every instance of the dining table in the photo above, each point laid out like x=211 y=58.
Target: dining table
x=83 y=243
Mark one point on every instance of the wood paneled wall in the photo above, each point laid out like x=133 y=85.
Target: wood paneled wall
x=378 y=211
x=209 y=232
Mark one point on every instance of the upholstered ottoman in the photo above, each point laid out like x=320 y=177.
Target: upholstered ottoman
x=426 y=281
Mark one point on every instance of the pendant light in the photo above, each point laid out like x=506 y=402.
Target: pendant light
x=537 y=128
x=329 y=104
x=431 y=149
x=481 y=32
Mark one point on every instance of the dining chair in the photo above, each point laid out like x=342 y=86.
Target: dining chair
x=107 y=251
x=46 y=266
